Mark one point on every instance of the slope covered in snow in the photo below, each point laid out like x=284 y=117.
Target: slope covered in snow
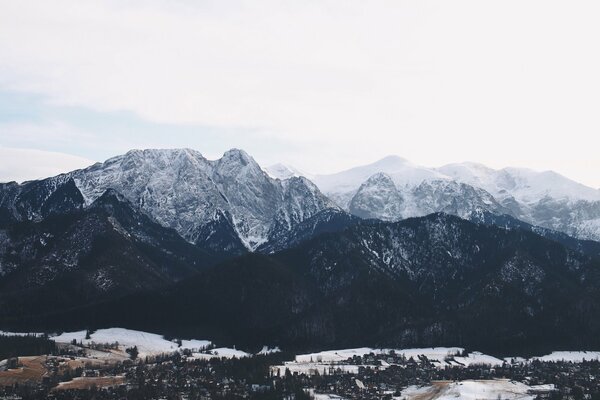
x=284 y=171
x=475 y=390
x=393 y=189
x=147 y=343
x=182 y=190
x=525 y=185
x=341 y=186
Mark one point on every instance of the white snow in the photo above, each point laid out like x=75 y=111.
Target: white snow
x=471 y=389
x=572 y=356
x=269 y=350
x=545 y=198
x=221 y=352
x=476 y=358
x=284 y=171
x=147 y=343
x=181 y=189
x=321 y=362
x=402 y=172
x=437 y=354
x=523 y=184
x=336 y=355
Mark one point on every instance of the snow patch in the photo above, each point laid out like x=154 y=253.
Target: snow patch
x=147 y=343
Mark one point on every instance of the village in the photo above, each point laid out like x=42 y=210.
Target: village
x=86 y=369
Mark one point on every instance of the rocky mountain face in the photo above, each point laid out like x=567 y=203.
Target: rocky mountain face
x=393 y=188
x=199 y=198
x=329 y=220
x=379 y=197
x=546 y=199
x=588 y=247
x=144 y=220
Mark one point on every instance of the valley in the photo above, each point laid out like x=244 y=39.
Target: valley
x=393 y=262
x=102 y=364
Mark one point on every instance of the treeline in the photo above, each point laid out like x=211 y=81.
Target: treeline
x=28 y=345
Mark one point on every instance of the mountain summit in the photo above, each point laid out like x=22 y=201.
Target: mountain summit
x=183 y=190
x=545 y=199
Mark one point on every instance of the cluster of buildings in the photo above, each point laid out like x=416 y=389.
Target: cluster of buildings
x=367 y=376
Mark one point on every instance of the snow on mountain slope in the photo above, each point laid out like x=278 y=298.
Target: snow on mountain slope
x=377 y=197
x=147 y=343
x=284 y=171
x=546 y=199
x=181 y=189
x=342 y=185
x=523 y=184
x=569 y=356
x=393 y=188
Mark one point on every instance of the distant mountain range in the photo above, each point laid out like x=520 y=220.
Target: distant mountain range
x=393 y=188
x=385 y=254
x=183 y=190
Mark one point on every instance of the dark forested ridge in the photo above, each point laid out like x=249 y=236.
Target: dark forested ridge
x=88 y=255
x=435 y=280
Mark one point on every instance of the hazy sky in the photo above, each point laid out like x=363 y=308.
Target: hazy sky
x=322 y=85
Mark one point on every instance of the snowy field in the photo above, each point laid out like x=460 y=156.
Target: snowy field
x=148 y=344
x=572 y=356
x=472 y=390
x=152 y=344
x=222 y=352
x=437 y=355
x=326 y=362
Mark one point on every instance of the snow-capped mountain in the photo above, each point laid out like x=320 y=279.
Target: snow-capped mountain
x=525 y=185
x=342 y=186
x=284 y=171
x=182 y=190
x=393 y=189
x=546 y=198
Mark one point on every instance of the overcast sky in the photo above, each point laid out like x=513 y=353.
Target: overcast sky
x=323 y=85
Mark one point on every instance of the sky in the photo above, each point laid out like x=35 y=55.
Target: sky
x=321 y=85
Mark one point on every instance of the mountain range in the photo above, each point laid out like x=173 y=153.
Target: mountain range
x=384 y=254
x=393 y=189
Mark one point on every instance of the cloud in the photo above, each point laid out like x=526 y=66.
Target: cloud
x=436 y=81
x=27 y=164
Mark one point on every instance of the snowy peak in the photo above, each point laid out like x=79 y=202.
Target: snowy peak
x=283 y=171
x=237 y=159
x=391 y=163
x=400 y=170
x=468 y=172
x=156 y=158
x=301 y=200
x=181 y=189
x=545 y=199
x=523 y=184
x=237 y=164
x=377 y=198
